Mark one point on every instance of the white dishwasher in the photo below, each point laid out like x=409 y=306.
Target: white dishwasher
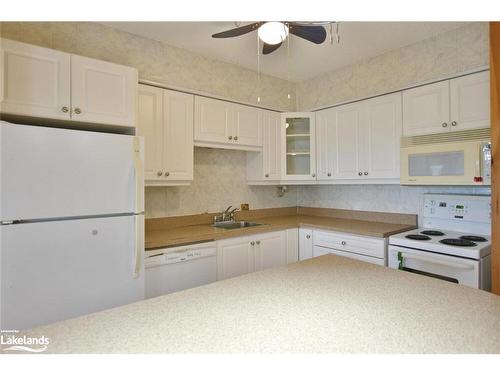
x=177 y=268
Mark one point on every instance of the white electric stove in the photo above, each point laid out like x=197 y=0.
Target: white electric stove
x=454 y=243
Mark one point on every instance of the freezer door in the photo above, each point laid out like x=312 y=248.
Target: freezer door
x=58 y=270
x=54 y=173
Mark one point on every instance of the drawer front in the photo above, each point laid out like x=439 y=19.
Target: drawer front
x=318 y=251
x=370 y=246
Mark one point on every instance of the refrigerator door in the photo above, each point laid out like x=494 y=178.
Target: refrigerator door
x=52 y=271
x=54 y=173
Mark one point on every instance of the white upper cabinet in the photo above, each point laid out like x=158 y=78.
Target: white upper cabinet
x=470 y=101
x=326 y=126
x=265 y=166
x=165 y=120
x=382 y=134
x=34 y=81
x=457 y=104
x=44 y=83
x=103 y=92
x=298 y=146
x=426 y=109
x=223 y=124
x=150 y=126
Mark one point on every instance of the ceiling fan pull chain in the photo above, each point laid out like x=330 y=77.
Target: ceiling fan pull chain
x=258 y=70
x=337 y=32
x=331 y=33
x=288 y=66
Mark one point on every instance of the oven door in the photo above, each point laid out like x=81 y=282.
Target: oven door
x=444 y=267
x=454 y=163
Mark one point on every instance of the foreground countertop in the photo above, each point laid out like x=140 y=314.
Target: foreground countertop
x=328 y=304
x=205 y=232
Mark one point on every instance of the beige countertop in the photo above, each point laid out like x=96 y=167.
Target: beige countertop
x=328 y=304
x=203 y=232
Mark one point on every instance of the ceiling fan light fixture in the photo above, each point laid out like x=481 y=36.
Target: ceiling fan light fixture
x=273 y=32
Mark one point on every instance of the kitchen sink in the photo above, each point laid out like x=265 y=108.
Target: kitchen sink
x=236 y=224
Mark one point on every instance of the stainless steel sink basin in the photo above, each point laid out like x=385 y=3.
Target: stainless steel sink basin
x=236 y=224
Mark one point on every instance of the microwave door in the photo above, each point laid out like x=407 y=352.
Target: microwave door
x=441 y=164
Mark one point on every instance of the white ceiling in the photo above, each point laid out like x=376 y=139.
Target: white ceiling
x=358 y=40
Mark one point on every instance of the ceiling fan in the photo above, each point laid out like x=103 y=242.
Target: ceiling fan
x=274 y=33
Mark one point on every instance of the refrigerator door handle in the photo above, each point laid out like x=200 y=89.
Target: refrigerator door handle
x=139 y=175
x=139 y=245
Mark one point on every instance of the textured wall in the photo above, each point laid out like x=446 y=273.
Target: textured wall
x=219 y=181
x=448 y=53
x=154 y=60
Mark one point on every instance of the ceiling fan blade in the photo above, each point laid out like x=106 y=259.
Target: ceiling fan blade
x=268 y=48
x=315 y=34
x=238 y=31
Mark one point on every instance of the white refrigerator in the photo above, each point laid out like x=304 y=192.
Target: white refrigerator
x=72 y=223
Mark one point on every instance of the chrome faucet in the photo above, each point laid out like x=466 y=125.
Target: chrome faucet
x=226 y=215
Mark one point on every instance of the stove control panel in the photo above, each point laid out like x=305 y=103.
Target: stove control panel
x=471 y=208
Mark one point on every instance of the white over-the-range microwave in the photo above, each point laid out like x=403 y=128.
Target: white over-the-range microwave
x=458 y=158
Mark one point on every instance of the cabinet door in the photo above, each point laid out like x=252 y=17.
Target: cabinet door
x=270 y=250
x=298 y=146
x=150 y=126
x=34 y=81
x=247 y=127
x=305 y=243
x=326 y=122
x=292 y=245
x=212 y=121
x=346 y=142
x=102 y=92
x=271 y=145
x=235 y=257
x=470 y=101
x=426 y=109
x=178 y=135
x=381 y=136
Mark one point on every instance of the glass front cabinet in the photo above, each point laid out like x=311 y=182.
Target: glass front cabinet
x=298 y=146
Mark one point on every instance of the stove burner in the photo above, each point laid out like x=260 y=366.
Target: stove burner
x=473 y=238
x=457 y=242
x=433 y=233
x=418 y=237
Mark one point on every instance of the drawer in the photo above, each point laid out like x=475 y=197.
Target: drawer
x=364 y=245
x=318 y=251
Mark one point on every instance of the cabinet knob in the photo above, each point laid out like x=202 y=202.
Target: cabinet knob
x=159 y=173
x=167 y=174
x=308 y=236
x=453 y=123
x=344 y=243
x=65 y=109
x=329 y=174
x=78 y=111
x=257 y=242
x=444 y=124
x=366 y=173
x=230 y=137
x=360 y=173
x=267 y=175
x=314 y=175
x=235 y=137
x=252 y=243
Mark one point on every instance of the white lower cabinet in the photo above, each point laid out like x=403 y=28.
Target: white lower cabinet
x=270 y=250
x=365 y=248
x=292 y=245
x=305 y=243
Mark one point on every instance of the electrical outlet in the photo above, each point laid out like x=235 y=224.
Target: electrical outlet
x=245 y=207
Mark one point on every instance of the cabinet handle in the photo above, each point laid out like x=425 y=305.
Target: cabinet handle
x=314 y=175
x=159 y=173
x=65 y=109
x=230 y=137
x=167 y=174
x=366 y=173
x=453 y=123
x=308 y=236
x=444 y=124
x=360 y=173
x=267 y=175
x=257 y=242
x=329 y=174
x=252 y=243
x=235 y=137
x=344 y=243
x=78 y=111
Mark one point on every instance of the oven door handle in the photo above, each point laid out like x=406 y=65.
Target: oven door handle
x=402 y=255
